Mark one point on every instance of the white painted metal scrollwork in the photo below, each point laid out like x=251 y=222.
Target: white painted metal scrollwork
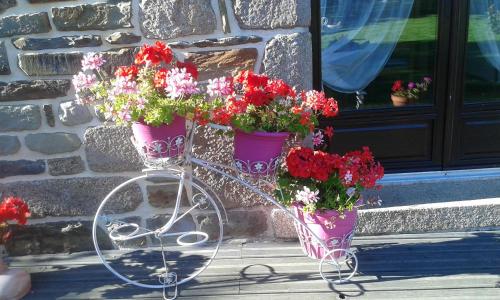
x=172 y=160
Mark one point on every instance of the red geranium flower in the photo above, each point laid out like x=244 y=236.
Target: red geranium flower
x=190 y=68
x=160 y=79
x=298 y=162
x=329 y=131
x=397 y=86
x=127 y=71
x=154 y=54
x=15 y=209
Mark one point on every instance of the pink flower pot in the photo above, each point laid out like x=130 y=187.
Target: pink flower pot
x=164 y=141
x=14 y=283
x=258 y=152
x=329 y=226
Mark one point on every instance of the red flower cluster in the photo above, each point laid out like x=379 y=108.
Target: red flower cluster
x=154 y=54
x=160 y=78
x=127 y=71
x=318 y=102
x=190 y=68
x=306 y=163
x=15 y=209
x=357 y=167
x=259 y=90
x=397 y=85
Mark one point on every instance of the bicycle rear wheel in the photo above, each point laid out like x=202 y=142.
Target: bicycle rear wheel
x=135 y=245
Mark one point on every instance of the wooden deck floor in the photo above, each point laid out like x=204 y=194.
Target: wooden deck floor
x=420 y=266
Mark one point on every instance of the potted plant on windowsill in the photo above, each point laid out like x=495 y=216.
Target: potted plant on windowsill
x=14 y=283
x=264 y=112
x=154 y=96
x=324 y=191
x=403 y=95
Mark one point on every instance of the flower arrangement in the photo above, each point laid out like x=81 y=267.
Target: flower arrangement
x=253 y=102
x=152 y=90
x=12 y=209
x=316 y=180
x=412 y=90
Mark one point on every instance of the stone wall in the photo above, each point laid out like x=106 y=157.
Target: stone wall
x=59 y=157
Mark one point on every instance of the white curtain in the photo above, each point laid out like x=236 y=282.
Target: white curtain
x=358 y=38
x=483 y=28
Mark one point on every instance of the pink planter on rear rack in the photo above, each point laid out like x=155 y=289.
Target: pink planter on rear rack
x=258 y=153
x=164 y=141
x=333 y=230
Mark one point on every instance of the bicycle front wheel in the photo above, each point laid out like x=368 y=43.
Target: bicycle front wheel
x=172 y=235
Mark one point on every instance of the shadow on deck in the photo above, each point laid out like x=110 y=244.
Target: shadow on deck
x=410 y=266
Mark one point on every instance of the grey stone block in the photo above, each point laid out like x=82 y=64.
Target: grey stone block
x=21 y=167
x=109 y=149
x=123 y=38
x=222 y=63
x=74 y=196
x=46 y=1
x=227 y=41
x=185 y=224
x=65 y=166
x=167 y=19
x=33 y=89
x=6 y=4
x=4 y=61
x=52 y=143
x=19 y=117
x=53 y=237
x=24 y=24
x=71 y=113
x=118 y=57
x=289 y=57
x=99 y=16
x=272 y=14
x=165 y=195
x=49 y=114
x=43 y=64
x=74 y=41
x=241 y=223
x=283 y=224
x=9 y=144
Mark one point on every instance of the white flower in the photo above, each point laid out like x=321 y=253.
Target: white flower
x=307 y=196
x=350 y=191
x=348 y=177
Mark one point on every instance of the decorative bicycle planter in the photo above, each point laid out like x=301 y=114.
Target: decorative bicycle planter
x=145 y=253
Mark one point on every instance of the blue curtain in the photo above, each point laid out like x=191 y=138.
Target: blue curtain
x=358 y=38
x=484 y=25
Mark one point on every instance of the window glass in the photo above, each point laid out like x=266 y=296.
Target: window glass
x=482 y=77
x=367 y=45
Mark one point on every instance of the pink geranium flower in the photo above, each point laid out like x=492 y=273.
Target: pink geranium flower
x=180 y=83
x=92 y=61
x=83 y=81
x=219 y=87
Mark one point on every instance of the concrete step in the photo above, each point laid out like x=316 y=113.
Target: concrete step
x=435 y=201
x=426 y=202
x=431 y=217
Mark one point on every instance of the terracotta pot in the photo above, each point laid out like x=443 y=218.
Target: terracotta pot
x=333 y=229
x=399 y=101
x=14 y=283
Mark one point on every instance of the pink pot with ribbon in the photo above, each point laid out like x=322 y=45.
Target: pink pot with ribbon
x=164 y=141
x=333 y=228
x=258 y=152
